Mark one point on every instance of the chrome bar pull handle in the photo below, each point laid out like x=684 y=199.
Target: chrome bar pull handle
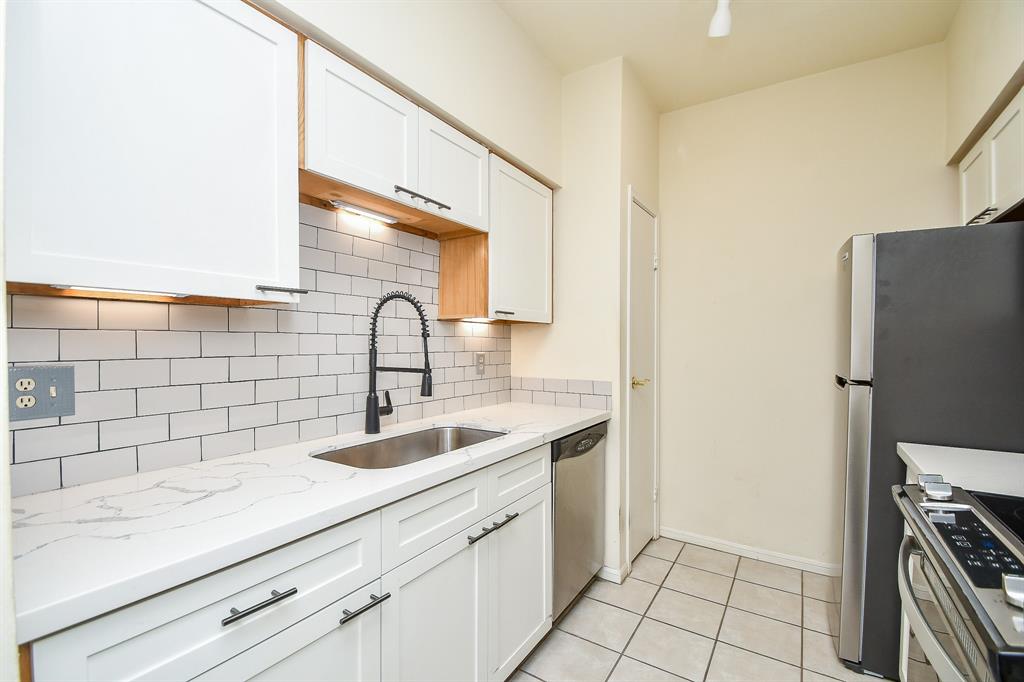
x=374 y=601
x=486 y=531
x=508 y=518
x=275 y=597
x=284 y=290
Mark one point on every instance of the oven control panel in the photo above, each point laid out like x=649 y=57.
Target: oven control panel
x=980 y=553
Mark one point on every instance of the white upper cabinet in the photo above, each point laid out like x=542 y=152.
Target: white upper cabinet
x=357 y=130
x=151 y=147
x=992 y=173
x=453 y=173
x=1006 y=152
x=519 y=245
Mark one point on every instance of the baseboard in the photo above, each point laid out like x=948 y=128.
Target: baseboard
x=804 y=564
x=612 y=575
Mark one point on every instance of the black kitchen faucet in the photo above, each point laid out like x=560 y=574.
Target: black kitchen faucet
x=373 y=409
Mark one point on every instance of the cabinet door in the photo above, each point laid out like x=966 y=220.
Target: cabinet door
x=519 y=246
x=975 y=185
x=145 y=166
x=519 y=609
x=357 y=130
x=434 y=624
x=453 y=171
x=1006 y=156
x=317 y=649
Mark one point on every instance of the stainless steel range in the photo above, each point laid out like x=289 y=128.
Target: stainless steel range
x=961 y=582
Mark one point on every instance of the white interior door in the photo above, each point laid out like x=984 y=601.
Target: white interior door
x=641 y=397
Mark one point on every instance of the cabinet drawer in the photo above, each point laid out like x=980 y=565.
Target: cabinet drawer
x=518 y=476
x=417 y=523
x=179 y=634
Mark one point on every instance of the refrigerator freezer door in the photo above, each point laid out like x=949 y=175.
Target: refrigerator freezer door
x=856 y=307
x=855 y=527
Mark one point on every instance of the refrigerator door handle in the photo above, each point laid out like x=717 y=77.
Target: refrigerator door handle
x=843 y=382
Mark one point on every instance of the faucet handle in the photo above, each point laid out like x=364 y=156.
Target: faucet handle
x=388 y=408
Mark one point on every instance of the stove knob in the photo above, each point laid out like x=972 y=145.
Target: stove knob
x=938 y=491
x=1013 y=589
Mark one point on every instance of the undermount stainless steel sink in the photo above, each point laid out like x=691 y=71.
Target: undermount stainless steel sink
x=407 y=448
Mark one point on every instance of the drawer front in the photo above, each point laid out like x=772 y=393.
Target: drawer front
x=415 y=524
x=518 y=476
x=179 y=634
x=317 y=648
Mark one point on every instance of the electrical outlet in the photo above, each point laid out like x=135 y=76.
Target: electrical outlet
x=40 y=391
x=481 y=361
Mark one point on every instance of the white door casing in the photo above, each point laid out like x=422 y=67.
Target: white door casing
x=641 y=377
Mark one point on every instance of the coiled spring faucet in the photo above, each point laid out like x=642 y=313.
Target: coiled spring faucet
x=373 y=409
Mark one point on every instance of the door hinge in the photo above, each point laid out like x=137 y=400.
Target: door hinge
x=655 y=497
x=655 y=262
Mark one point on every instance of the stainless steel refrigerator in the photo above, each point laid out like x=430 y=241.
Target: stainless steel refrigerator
x=931 y=351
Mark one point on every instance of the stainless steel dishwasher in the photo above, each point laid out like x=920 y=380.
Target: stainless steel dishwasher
x=578 y=466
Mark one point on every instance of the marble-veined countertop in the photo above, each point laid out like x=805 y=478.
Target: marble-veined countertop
x=83 y=551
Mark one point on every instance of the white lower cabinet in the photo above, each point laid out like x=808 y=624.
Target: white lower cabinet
x=469 y=605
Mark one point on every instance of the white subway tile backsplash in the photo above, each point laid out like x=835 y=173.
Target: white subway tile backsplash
x=167 y=399
x=170 y=453
x=96 y=345
x=53 y=312
x=225 y=444
x=121 y=433
x=579 y=386
x=593 y=402
x=133 y=315
x=200 y=318
x=35 y=477
x=97 y=466
x=157 y=344
x=165 y=384
x=134 y=373
x=199 y=423
x=224 y=395
x=100 y=405
x=603 y=388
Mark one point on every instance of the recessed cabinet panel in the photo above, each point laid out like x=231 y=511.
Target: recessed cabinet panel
x=974 y=184
x=519 y=245
x=1006 y=151
x=453 y=171
x=135 y=163
x=357 y=130
x=434 y=624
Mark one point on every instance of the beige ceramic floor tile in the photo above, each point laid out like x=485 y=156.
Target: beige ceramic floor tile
x=563 y=657
x=820 y=656
x=761 y=635
x=677 y=651
x=766 y=601
x=729 y=664
x=600 y=623
x=633 y=595
x=520 y=676
x=821 y=616
x=772 y=575
x=663 y=548
x=687 y=612
x=628 y=670
x=650 y=569
x=708 y=559
x=704 y=584
x=811 y=676
x=821 y=587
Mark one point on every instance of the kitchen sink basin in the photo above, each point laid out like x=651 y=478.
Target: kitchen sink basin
x=407 y=448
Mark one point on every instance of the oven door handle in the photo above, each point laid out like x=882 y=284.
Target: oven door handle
x=939 y=659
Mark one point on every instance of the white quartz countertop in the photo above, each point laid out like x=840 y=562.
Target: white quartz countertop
x=981 y=470
x=82 y=551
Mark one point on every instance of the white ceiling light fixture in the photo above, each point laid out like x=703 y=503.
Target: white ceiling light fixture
x=721 y=22
x=365 y=212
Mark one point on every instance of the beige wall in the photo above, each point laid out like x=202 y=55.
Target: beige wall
x=758 y=192
x=985 y=62
x=468 y=60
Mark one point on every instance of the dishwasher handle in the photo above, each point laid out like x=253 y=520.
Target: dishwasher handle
x=579 y=443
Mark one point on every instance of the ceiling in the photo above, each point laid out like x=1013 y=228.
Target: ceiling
x=666 y=41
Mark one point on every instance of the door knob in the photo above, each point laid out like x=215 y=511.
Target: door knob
x=637 y=383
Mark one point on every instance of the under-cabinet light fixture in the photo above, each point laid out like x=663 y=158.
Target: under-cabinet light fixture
x=365 y=212
x=478 y=319
x=107 y=290
x=721 y=21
